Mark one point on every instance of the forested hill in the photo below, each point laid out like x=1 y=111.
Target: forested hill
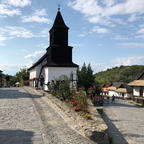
x=119 y=74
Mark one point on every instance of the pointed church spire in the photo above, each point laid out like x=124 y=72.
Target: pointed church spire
x=59 y=22
x=59 y=31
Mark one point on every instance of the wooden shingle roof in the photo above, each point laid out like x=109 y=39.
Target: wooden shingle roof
x=136 y=83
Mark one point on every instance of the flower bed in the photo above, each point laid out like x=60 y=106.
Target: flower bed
x=76 y=98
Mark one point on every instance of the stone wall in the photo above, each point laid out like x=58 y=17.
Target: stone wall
x=94 y=128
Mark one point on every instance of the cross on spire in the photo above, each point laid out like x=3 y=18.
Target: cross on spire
x=58 y=7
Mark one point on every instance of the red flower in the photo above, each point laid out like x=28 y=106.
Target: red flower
x=76 y=108
x=74 y=83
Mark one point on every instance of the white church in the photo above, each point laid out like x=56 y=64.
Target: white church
x=57 y=60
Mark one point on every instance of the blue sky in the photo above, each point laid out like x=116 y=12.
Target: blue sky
x=104 y=33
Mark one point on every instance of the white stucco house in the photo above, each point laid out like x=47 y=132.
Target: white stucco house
x=57 y=60
x=120 y=90
x=138 y=86
x=124 y=91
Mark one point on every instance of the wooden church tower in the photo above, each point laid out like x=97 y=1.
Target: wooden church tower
x=57 y=60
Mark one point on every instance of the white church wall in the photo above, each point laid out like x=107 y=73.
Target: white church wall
x=32 y=73
x=38 y=68
x=35 y=72
x=53 y=73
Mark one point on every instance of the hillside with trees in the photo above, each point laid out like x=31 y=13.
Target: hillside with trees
x=119 y=74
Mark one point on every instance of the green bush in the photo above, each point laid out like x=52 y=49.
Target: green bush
x=61 y=89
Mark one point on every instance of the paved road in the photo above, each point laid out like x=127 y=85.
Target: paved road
x=126 y=122
x=28 y=119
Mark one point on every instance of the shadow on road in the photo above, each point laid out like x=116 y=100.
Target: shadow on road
x=119 y=103
x=118 y=138
x=15 y=93
x=15 y=137
x=133 y=135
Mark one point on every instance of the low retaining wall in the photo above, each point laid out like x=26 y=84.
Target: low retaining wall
x=138 y=100
x=94 y=128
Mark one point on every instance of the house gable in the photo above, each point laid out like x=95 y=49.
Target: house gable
x=141 y=77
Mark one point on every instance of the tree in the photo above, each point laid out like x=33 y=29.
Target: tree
x=85 y=76
x=24 y=74
x=20 y=77
x=13 y=80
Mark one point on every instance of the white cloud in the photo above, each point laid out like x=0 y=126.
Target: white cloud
x=41 y=12
x=95 y=12
x=120 y=37
x=109 y=3
x=140 y=36
x=75 y=44
x=118 y=21
x=44 y=33
x=35 y=54
x=17 y=3
x=13 y=68
x=100 y=30
x=134 y=60
x=2 y=39
x=25 y=50
x=132 y=18
x=14 y=31
x=37 y=16
x=43 y=45
x=132 y=45
x=82 y=35
x=141 y=31
x=141 y=25
x=126 y=61
x=8 y=11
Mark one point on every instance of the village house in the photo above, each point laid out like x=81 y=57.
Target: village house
x=124 y=91
x=138 y=86
x=105 y=89
x=112 y=89
x=57 y=61
x=118 y=89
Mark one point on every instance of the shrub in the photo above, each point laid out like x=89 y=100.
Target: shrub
x=61 y=89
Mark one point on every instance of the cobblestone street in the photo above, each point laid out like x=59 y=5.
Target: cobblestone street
x=126 y=122
x=25 y=118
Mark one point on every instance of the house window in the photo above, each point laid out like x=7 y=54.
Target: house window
x=141 y=92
